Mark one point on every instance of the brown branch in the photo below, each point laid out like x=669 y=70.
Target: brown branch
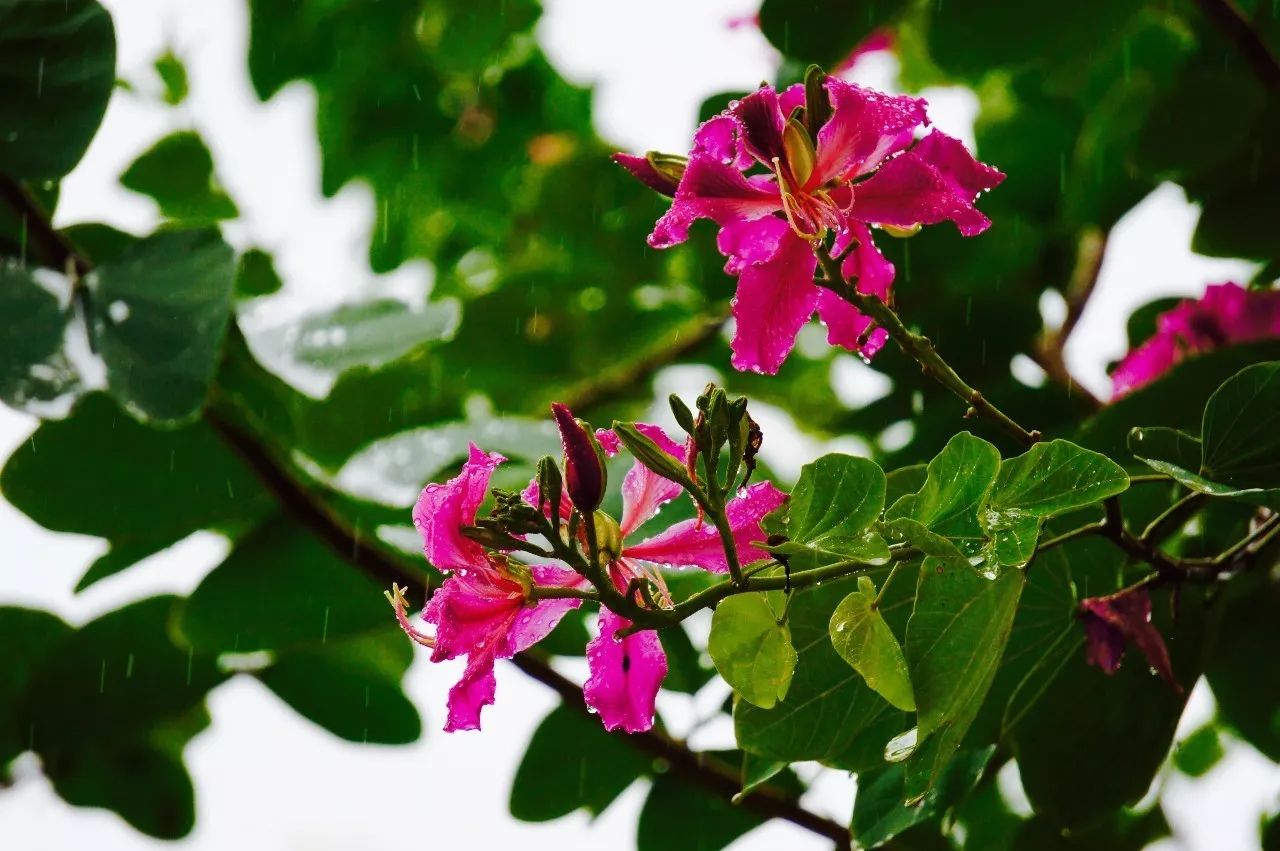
x=1236 y=26
x=371 y=559
x=1050 y=351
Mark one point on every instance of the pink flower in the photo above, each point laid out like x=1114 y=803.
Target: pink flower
x=1224 y=315
x=482 y=610
x=626 y=673
x=1111 y=622
x=773 y=190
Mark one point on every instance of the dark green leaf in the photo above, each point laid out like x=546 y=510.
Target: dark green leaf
x=280 y=588
x=879 y=813
x=1247 y=701
x=351 y=687
x=177 y=172
x=256 y=274
x=863 y=639
x=955 y=638
x=823 y=31
x=751 y=649
x=1199 y=752
x=571 y=762
x=1241 y=431
x=34 y=370
x=159 y=315
x=28 y=636
x=57 y=68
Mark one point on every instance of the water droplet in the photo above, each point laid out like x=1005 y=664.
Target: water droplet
x=118 y=311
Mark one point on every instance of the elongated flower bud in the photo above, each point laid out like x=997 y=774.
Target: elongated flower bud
x=584 y=469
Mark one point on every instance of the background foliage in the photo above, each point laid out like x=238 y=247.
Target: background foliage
x=163 y=417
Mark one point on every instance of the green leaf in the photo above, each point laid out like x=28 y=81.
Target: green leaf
x=158 y=316
x=1247 y=702
x=256 y=274
x=351 y=687
x=679 y=816
x=173 y=74
x=879 y=813
x=955 y=638
x=829 y=713
x=751 y=649
x=1048 y=479
x=34 y=371
x=1241 y=431
x=28 y=636
x=831 y=512
x=1198 y=753
x=177 y=172
x=958 y=481
x=280 y=588
x=572 y=763
x=57 y=69
x=1178 y=455
x=756 y=772
x=825 y=31
x=163 y=485
x=686 y=671
x=863 y=639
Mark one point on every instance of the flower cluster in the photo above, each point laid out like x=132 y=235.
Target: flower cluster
x=1225 y=315
x=779 y=171
x=490 y=608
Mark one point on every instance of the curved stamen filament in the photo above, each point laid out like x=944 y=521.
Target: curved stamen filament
x=401 y=605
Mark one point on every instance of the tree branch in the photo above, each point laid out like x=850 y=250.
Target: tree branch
x=372 y=560
x=919 y=348
x=1236 y=26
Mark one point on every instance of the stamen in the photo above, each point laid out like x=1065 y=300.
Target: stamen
x=400 y=604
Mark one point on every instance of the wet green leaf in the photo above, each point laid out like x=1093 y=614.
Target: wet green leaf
x=863 y=639
x=751 y=649
x=831 y=511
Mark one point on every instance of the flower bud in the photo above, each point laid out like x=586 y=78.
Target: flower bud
x=660 y=172
x=650 y=454
x=801 y=155
x=817 y=104
x=584 y=468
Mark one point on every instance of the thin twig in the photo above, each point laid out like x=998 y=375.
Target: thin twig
x=1050 y=351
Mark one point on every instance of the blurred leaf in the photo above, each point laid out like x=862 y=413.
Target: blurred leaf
x=159 y=313
x=177 y=172
x=173 y=74
x=280 y=588
x=351 y=687
x=99 y=472
x=57 y=69
x=571 y=763
x=823 y=31
x=863 y=639
x=1198 y=753
x=752 y=648
x=686 y=671
x=1247 y=702
x=28 y=636
x=829 y=713
x=34 y=370
x=679 y=816
x=879 y=813
x=256 y=274
x=1122 y=831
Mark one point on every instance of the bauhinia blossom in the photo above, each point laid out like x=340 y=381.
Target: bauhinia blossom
x=775 y=190
x=484 y=610
x=1225 y=315
x=1125 y=617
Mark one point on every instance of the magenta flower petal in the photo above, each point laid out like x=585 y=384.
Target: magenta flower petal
x=711 y=189
x=720 y=138
x=534 y=622
x=473 y=611
x=475 y=690
x=644 y=491
x=443 y=509
x=1224 y=315
x=694 y=543
x=609 y=441
x=931 y=183
x=762 y=121
x=846 y=325
x=625 y=676
x=1126 y=616
x=642 y=170
x=775 y=298
x=865 y=127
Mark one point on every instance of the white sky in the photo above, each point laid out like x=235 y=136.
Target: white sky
x=267 y=779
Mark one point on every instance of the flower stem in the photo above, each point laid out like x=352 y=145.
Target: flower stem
x=919 y=348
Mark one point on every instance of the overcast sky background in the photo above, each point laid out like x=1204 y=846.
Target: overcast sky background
x=266 y=778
